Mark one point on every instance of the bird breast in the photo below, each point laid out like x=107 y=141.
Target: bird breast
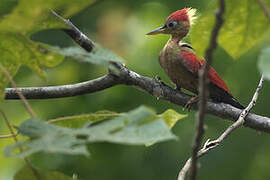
x=172 y=63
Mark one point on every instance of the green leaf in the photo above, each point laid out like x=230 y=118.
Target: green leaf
x=18 y=21
x=264 y=62
x=46 y=138
x=78 y=121
x=30 y=16
x=245 y=25
x=6 y=6
x=137 y=127
x=171 y=117
x=27 y=173
x=99 y=55
x=17 y=50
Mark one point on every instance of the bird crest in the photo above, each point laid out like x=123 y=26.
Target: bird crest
x=191 y=12
x=186 y=14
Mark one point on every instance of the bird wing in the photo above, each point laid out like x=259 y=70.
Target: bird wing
x=190 y=61
x=193 y=64
x=215 y=78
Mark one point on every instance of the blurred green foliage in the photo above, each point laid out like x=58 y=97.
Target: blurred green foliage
x=99 y=55
x=264 y=63
x=121 y=27
x=19 y=20
x=27 y=173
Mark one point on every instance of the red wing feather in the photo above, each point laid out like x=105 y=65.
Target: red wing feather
x=192 y=63
x=215 y=78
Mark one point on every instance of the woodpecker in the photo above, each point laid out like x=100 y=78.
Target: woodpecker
x=180 y=62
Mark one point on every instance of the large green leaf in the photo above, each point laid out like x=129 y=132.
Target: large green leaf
x=245 y=25
x=138 y=127
x=18 y=20
x=27 y=173
x=264 y=62
x=30 y=16
x=98 y=55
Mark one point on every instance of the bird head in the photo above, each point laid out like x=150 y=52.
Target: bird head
x=177 y=24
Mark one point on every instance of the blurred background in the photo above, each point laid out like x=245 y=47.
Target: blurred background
x=120 y=26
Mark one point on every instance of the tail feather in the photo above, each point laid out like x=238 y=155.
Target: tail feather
x=232 y=101
x=220 y=95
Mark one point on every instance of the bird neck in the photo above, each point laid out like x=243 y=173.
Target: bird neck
x=176 y=38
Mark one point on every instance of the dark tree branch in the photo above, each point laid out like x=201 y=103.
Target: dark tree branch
x=153 y=87
x=76 y=34
x=203 y=89
x=70 y=90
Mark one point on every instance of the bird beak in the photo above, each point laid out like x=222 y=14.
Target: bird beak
x=157 y=31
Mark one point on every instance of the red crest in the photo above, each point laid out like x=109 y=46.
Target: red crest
x=180 y=15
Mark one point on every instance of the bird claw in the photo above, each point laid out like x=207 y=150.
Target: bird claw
x=190 y=102
x=178 y=88
x=158 y=79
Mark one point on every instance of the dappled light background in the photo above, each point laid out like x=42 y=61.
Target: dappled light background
x=120 y=26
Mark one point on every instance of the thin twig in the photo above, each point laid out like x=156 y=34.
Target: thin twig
x=9 y=125
x=8 y=136
x=29 y=109
x=14 y=135
x=212 y=144
x=203 y=91
x=26 y=104
x=265 y=8
x=76 y=34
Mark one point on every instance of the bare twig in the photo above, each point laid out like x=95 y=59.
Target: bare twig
x=265 y=8
x=14 y=135
x=76 y=34
x=203 y=91
x=212 y=144
x=9 y=125
x=29 y=109
x=8 y=136
x=26 y=104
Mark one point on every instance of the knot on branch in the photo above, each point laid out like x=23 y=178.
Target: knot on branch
x=118 y=70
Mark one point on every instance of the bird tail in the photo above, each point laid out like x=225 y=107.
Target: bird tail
x=232 y=101
x=221 y=95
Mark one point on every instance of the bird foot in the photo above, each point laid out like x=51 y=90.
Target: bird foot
x=178 y=88
x=158 y=79
x=190 y=102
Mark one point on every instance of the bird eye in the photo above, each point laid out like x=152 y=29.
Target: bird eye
x=172 y=24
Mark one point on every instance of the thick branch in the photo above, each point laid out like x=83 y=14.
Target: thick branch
x=147 y=84
x=70 y=90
